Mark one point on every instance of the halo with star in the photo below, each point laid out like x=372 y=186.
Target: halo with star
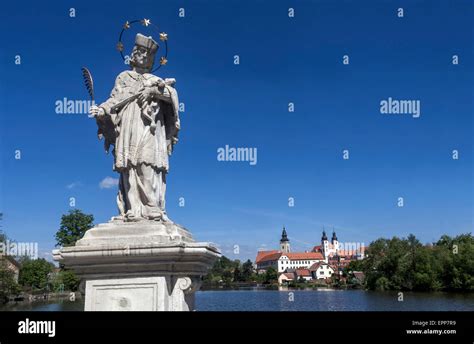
x=147 y=23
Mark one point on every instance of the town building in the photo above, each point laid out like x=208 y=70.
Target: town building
x=303 y=274
x=321 y=263
x=283 y=260
x=333 y=251
x=10 y=264
x=286 y=277
x=321 y=270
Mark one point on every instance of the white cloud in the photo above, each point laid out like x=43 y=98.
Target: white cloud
x=73 y=185
x=108 y=182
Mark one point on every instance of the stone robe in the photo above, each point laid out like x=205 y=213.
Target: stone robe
x=143 y=136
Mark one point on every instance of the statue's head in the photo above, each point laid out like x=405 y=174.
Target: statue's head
x=143 y=54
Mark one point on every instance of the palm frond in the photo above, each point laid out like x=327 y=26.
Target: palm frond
x=88 y=81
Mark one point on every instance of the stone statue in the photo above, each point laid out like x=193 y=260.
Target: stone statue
x=141 y=121
x=140 y=260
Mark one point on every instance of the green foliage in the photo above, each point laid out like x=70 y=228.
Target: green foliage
x=8 y=286
x=406 y=264
x=355 y=265
x=225 y=272
x=73 y=227
x=3 y=237
x=34 y=273
x=65 y=280
x=237 y=275
x=271 y=275
x=382 y=283
x=247 y=270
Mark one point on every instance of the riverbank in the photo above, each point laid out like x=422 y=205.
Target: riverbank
x=297 y=300
x=43 y=297
x=276 y=286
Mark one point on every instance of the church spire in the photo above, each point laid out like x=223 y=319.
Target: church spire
x=284 y=236
x=334 y=237
x=324 y=237
x=284 y=242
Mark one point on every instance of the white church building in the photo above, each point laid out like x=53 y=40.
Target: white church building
x=320 y=263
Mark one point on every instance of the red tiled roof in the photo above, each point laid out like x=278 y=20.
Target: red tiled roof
x=359 y=275
x=263 y=256
x=305 y=255
x=316 y=266
x=303 y=272
x=289 y=275
x=317 y=248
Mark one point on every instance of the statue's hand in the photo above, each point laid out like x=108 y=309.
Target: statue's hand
x=95 y=111
x=146 y=94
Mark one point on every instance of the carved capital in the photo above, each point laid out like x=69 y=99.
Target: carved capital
x=188 y=284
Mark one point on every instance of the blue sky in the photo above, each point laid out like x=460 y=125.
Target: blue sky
x=282 y=60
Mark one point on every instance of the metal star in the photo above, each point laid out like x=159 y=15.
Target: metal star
x=146 y=22
x=163 y=60
x=163 y=36
x=119 y=46
x=126 y=25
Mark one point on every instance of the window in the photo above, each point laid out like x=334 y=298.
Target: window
x=321 y=272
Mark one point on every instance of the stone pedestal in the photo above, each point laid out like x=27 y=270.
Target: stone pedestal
x=139 y=266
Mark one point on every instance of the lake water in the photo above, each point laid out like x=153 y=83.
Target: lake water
x=301 y=300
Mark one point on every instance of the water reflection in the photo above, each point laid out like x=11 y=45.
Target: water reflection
x=298 y=300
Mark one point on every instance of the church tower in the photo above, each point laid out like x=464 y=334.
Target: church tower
x=325 y=245
x=334 y=241
x=284 y=242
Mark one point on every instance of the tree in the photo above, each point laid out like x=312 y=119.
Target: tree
x=237 y=275
x=406 y=264
x=3 y=236
x=34 y=273
x=382 y=283
x=8 y=286
x=354 y=265
x=227 y=277
x=271 y=275
x=73 y=227
x=223 y=270
x=247 y=270
x=65 y=280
